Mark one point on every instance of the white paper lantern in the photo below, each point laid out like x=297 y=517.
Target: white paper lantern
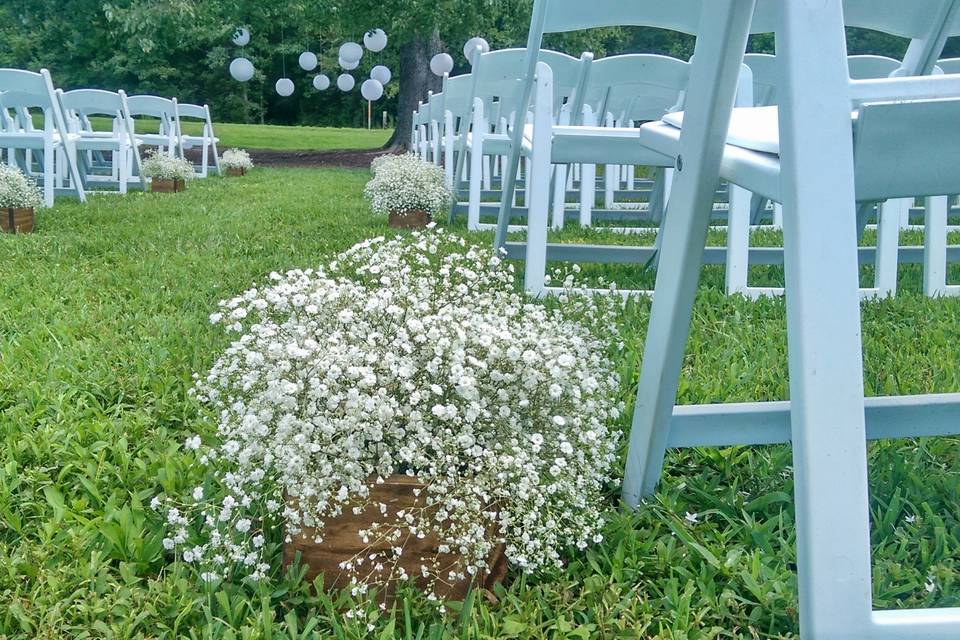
x=308 y=61
x=348 y=65
x=371 y=90
x=241 y=37
x=351 y=52
x=381 y=74
x=472 y=44
x=441 y=63
x=241 y=69
x=375 y=40
x=321 y=82
x=345 y=82
x=285 y=87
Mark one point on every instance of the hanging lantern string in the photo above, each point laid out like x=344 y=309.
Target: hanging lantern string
x=283 y=55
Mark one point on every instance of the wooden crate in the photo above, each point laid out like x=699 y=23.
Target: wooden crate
x=16 y=220
x=341 y=543
x=409 y=219
x=167 y=186
x=236 y=172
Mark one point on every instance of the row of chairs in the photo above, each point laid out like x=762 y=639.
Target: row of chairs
x=70 y=154
x=831 y=150
x=465 y=129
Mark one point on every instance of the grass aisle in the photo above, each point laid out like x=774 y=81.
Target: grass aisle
x=103 y=320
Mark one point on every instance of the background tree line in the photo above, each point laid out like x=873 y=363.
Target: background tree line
x=182 y=48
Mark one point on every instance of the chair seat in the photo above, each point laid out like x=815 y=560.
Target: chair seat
x=29 y=139
x=154 y=139
x=756 y=170
x=88 y=142
x=189 y=141
x=754 y=128
x=497 y=144
x=604 y=145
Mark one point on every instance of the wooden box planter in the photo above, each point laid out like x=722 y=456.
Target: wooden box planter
x=16 y=220
x=236 y=172
x=341 y=543
x=409 y=219
x=168 y=186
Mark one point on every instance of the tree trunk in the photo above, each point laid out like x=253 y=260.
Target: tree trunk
x=415 y=81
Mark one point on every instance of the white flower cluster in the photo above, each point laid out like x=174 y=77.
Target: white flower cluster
x=161 y=166
x=403 y=183
x=236 y=159
x=411 y=356
x=17 y=191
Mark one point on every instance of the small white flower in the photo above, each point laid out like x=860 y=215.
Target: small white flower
x=692 y=518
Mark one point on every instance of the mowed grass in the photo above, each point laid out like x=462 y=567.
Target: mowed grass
x=269 y=136
x=103 y=320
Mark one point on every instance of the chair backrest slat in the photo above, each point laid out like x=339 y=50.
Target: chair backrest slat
x=898 y=158
x=154 y=106
x=89 y=102
x=637 y=86
x=192 y=111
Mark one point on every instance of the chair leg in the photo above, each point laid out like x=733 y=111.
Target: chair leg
x=204 y=160
x=476 y=166
x=888 y=247
x=560 y=196
x=684 y=231
x=738 y=241
x=823 y=326
x=448 y=148
x=48 y=175
x=120 y=160
x=610 y=174
x=538 y=182
x=935 y=246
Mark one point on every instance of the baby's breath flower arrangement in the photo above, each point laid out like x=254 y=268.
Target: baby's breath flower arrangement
x=405 y=183
x=413 y=356
x=236 y=159
x=17 y=191
x=160 y=166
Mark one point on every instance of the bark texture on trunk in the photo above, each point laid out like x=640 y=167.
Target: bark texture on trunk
x=415 y=81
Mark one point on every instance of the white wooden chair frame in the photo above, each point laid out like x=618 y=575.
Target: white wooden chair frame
x=78 y=106
x=165 y=109
x=815 y=177
x=22 y=90
x=498 y=84
x=207 y=140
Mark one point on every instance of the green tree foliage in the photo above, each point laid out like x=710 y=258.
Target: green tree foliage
x=182 y=47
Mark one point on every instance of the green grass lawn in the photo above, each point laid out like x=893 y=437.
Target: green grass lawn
x=103 y=320
x=269 y=136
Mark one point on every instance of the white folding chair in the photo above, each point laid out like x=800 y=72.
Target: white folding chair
x=120 y=141
x=816 y=160
x=497 y=87
x=22 y=91
x=207 y=140
x=167 y=136
x=624 y=89
x=566 y=144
